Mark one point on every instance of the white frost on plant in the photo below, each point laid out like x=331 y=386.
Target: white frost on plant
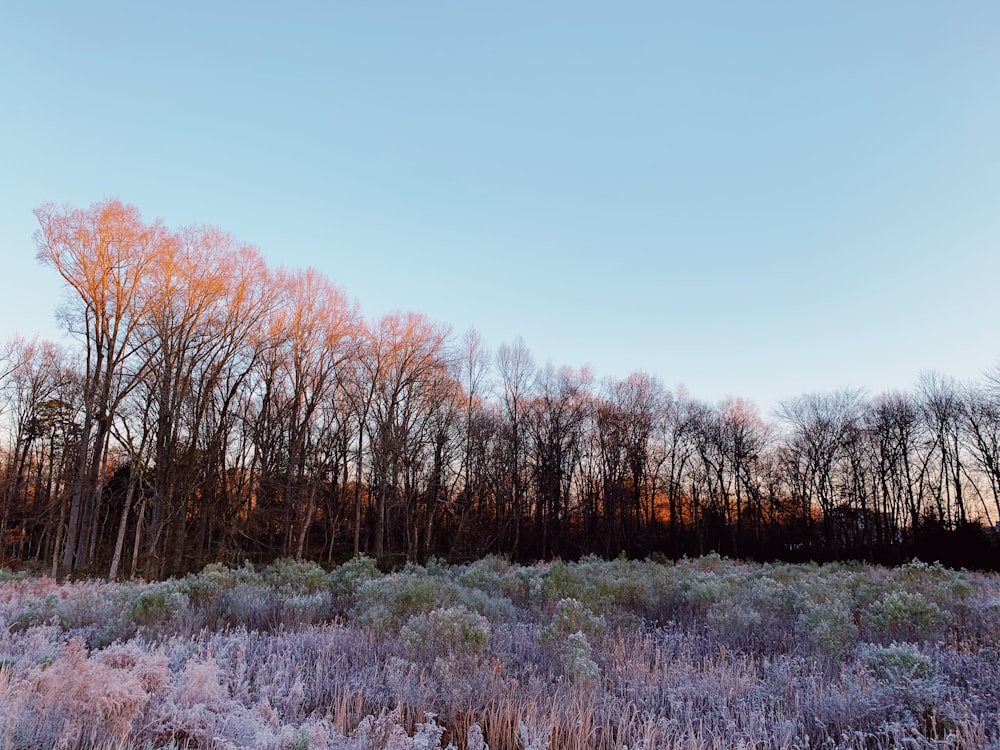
x=533 y=738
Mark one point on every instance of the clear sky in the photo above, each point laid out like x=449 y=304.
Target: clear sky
x=759 y=199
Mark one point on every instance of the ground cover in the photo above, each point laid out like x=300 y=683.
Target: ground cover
x=702 y=653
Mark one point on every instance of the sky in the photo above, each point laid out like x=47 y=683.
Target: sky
x=753 y=199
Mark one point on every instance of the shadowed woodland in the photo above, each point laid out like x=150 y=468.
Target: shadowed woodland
x=214 y=409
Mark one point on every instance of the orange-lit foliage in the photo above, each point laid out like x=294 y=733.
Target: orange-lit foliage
x=104 y=254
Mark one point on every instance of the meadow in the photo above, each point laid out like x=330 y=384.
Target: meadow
x=700 y=653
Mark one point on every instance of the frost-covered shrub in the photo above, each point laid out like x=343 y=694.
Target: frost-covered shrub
x=35 y=611
x=7 y=575
x=236 y=603
x=474 y=738
x=350 y=576
x=567 y=636
x=454 y=630
x=495 y=576
x=156 y=608
x=897 y=662
x=561 y=581
x=285 y=594
x=906 y=615
x=303 y=609
x=497 y=589
x=534 y=737
x=387 y=731
x=294 y=575
x=214 y=578
x=496 y=609
x=157 y=603
x=576 y=657
x=911 y=687
x=93 y=611
x=601 y=585
x=830 y=627
x=658 y=596
x=571 y=616
x=86 y=603
x=700 y=589
x=389 y=601
x=757 y=613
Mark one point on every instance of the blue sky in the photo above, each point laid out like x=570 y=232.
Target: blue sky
x=754 y=199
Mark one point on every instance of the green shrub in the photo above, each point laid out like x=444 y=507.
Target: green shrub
x=571 y=616
x=156 y=604
x=830 y=628
x=351 y=575
x=897 y=663
x=453 y=630
x=294 y=575
x=496 y=577
x=906 y=615
x=35 y=611
x=575 y=655
x=388 y=602
x=215 y=579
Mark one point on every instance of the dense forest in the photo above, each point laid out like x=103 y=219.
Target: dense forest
x=215 y=409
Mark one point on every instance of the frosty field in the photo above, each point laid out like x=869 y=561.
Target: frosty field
x=703 y=653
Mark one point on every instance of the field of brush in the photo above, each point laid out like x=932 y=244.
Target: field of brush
x=705 y=653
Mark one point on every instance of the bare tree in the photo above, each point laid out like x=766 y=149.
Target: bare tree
x=941 y=408
x=625 y=418
x=555 y=421
x=820 y=426
x=31 y=385
x=675 y=446
x=981 y=412
x=744 y=437
x=471 y=372
x=413 y=364
x=104 y=254
x=517 y=373
x=892 y=422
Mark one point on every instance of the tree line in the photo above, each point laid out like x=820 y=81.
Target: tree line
x=213 y=408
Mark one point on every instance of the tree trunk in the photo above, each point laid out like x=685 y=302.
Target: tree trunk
x=122 y=526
